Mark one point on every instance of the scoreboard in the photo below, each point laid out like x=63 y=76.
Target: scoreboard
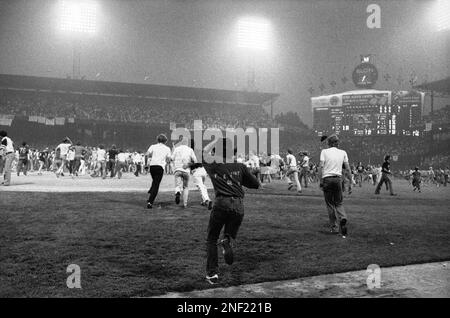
x=365 y=114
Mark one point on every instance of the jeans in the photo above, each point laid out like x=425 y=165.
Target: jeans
x=157 y=173
x=22 y=166
x=120 y=166
x=385 y=178
x=138 y=169
x=9 y=159
x=112 y=167
x=360 y=179
x=228 y=212
x=304 y=174
x=332 y=191
x=76 y=165
x=294 y=172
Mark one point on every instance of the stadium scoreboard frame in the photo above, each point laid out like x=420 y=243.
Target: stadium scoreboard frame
x=368 y=113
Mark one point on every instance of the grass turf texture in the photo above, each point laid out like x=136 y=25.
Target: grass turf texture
x=125 y=250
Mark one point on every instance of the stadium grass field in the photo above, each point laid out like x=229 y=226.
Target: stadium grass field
x=125 y=250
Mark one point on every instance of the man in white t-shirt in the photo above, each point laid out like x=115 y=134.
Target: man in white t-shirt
x=292 y=171
x=121 y=164
x=199 y=174
x=330 y=175
x=7 y=152
x=182 y=156
x=101 y=162
x=137 y=162
x=159 y=154
x=304 y=166
x=63 y=150
x=71 y=161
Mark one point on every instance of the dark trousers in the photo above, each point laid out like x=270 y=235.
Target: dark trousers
x=76 y=165
x=304 y=174
x=112 y=167
x=360 y=178
x=228 y=212
x=71 y=166
x=22 y=165
x=157 y=173
x=385 y=178
x=332 y=191
x=120 y=166
x=445 y=179
x=416 y=184
x=138 y=169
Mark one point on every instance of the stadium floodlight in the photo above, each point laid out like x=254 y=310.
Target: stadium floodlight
x=253 y=33
x=78 y=16
x=442 y=15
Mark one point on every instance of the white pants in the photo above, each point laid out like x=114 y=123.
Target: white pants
x=199 y=180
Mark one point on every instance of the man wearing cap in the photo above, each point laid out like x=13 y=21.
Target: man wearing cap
x=332 y=160
x=7 y=151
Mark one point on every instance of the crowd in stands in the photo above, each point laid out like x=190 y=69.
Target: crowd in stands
x=439 y=117
x=131 y=109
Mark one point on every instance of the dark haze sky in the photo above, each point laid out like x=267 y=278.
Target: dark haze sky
x=193 y=43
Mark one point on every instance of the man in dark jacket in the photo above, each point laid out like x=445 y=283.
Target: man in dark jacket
x=228 y=210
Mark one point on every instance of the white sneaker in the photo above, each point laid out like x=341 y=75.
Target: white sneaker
x=214 y=279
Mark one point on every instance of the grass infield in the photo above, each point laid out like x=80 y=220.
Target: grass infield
x=125 y=250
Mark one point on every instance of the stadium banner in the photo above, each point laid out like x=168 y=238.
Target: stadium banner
x=6 y=120
x=71 y=120
x=366 y=99
x=60 y=121
x=50 y=121
x=33 y=119
x=407 y=98
x=327 y=101
x=41 y=119
x=173 y=125
x=428 y=126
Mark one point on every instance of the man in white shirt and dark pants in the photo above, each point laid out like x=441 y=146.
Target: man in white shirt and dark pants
x=304 y=173
x=330 y=175
x=159 y=154
x=7 y=152
x=292 y=170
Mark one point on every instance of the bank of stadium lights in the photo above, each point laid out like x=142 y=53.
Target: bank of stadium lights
x=253 y=33
x=78 y=16
x=442 y=15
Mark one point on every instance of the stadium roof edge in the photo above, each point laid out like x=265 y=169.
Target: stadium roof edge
x=134 y=89
x=439 y=86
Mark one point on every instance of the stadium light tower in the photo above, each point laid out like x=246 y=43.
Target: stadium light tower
x=77 y=18
x=442 y=15
x=253 y=37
